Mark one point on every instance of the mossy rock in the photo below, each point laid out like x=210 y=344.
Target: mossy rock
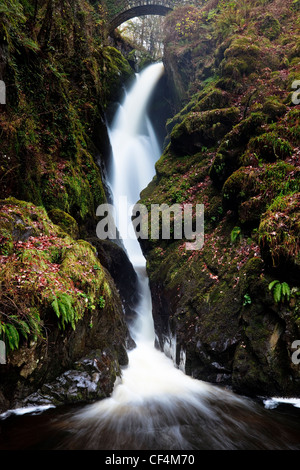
x=265 y=183
x=294 y=54
x=49 y=280
x=253 y=377
x=273 y=108
x=296 y=5
x=76 y=190
x=279 y=236
x=211 y=97
x=202 y=129
x=229 y=85
x=240 y=186
x=268 y=147
x=249 y=211
x=270 y=27
x=236 y=68
x=233 y=146
x=242 y=47
x=18 y=223
x=116 y=72
x=65 y=221
x=115 y=260
x=288 y=127
x=241 y=58
x=214 y=99
x=261 y=361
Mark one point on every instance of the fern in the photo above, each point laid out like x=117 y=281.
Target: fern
x=286 y=291
x=34 y=323
x=272 y=284
x=247 y=300
x=277 y=292
x=12 y=335
x=17 y=327
x=55 y=307
x=101 y=301
x=281 y=291
x=235 y=234
x=20 y=325
x=64 y=310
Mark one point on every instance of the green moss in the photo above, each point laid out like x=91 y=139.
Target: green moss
x=116 y=72
x=80 y=199
x=295 y=5
x=76 y=189
x=242 y=57
x=56 y=105
x=114 y=8
x=213 y=99
x=252 y=278
x=270 y=27
x=236 y=68
x=66 y=222
x=269 y=147
x=288 y=127
x=228 y=84
x=266 y=182
x=279 y=234
x=242 y=46
x=203 y=129
x=233 y=146
x=274 y=108
x=45 y=269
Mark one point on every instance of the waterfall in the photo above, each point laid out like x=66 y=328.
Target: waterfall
x=154 y=405
x=152 y=392
x=134 y=152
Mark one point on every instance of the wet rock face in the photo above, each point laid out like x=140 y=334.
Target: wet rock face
x=87 y=381
x=231 y=334
x=58 y=303
x=115 y=260
x=233 y=146
x=202 y=129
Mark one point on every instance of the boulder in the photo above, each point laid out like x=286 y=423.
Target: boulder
x=58 y=303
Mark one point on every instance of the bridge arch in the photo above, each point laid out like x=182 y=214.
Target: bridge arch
x=133 y=8
x=138 y=11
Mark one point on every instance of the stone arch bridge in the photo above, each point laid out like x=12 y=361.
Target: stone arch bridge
x=120 y=11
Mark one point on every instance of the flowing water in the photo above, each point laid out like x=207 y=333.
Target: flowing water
x=154 y=406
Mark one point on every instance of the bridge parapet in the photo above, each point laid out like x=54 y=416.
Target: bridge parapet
x=120 y=11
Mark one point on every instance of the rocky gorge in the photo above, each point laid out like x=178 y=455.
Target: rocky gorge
x=58 y=298
x=232 y=306
x=231 y=143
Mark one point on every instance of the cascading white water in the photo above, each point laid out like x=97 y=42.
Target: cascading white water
x=155 y=405
x=134 y=152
